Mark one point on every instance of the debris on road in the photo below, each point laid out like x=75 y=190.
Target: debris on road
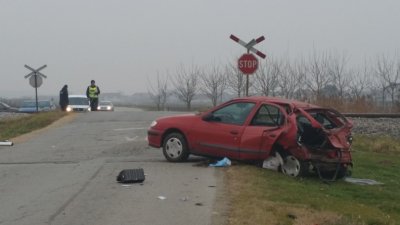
x=161 y=197
x=131 y=176
x=6 y=143
x=184 y=199
x=222 y=163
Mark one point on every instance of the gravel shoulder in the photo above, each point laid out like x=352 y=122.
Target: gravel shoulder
x=377 y=126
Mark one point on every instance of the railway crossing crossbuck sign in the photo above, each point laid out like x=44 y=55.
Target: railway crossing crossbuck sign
x=35 y=80
x=248 y=63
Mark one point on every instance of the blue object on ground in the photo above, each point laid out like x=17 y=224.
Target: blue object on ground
x=222 y=163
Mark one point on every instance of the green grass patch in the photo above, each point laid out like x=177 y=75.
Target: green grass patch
x=14 y=127
x=268 y=197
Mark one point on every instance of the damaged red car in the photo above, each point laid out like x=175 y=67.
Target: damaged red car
x=303 y=137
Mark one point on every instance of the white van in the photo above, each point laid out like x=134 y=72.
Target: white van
x=78 y=103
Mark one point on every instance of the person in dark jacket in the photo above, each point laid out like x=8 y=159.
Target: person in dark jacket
x=64 y=101
x=92 y=92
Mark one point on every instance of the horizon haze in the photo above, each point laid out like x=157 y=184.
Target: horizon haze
x=123 y=45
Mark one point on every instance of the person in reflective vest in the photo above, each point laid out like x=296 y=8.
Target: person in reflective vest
x=92 y=92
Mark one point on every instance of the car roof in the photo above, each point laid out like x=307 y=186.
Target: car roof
x=35 y=101
x=77 y=96
x=278 y=100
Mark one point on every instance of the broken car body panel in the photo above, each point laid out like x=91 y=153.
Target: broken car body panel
x=254 y=128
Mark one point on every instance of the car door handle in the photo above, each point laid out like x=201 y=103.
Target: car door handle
x=234 y=132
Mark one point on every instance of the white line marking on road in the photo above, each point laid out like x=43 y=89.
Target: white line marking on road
x=130 y=128
x=131 y=139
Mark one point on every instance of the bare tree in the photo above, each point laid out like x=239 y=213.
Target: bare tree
x=360 y=82
x=186 y=84
x=159 y=93
x=318 y=74
x=236 y=80
x=388 y=72
x=338 y=72
x=266 y=77
x=214 y=83
x=292 y=78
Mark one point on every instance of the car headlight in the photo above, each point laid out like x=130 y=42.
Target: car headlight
x=108 y=107
x=153 y=123
x=68 y=109
x=98 y=107
x=89 y=109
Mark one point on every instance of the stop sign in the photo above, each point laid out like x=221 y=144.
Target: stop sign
x=247 y=63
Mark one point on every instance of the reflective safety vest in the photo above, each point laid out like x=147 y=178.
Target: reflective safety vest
x=93 y=92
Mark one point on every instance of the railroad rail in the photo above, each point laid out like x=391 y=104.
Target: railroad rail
x=372 y=115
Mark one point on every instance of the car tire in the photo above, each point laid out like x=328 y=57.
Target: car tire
x=175 y=148
x=294 y=167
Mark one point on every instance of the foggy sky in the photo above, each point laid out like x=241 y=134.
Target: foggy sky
x=123 y=44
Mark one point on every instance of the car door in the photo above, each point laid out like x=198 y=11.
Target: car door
x=219 y=132
x=262 y=131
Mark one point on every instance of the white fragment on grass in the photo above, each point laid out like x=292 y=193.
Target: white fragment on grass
x=362 y=181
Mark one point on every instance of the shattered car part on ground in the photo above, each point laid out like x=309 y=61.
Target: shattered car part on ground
x=362 y=181
x=6 y=143
x=307 y=137
x=221 y=163
x=131 y=176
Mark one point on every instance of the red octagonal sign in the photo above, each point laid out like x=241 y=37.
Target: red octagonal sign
x=247 y=63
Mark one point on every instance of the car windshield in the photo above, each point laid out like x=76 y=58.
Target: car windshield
x=235 y=113
x=28 y=104
x=78 y=101
x=43 y=104
x=105 y=103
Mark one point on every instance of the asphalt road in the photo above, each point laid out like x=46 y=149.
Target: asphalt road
x=66 y=174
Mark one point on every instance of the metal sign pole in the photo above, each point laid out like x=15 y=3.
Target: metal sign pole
x=37 y=104
x=247 y=80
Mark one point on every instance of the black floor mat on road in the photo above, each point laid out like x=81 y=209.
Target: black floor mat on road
x=131 y=176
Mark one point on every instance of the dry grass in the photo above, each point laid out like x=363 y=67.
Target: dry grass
x=14 y=127
x=361 y=105
x=378 y=144
x=251 y=205
x=259 y=196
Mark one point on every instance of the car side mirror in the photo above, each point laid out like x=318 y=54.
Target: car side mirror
x=210 y=117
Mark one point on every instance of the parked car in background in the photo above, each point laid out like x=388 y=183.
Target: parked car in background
x=4 y=107
x=105 y=106
x=78 y=103
x=29 y=106
x=302 y=137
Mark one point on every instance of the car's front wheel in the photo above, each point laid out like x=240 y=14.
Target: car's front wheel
x=175 y=147
x=294 y=167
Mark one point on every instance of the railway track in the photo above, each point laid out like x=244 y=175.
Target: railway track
x=372 y=115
